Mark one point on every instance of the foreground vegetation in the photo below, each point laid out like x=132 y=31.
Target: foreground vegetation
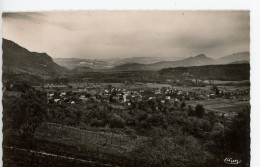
x=160 y=134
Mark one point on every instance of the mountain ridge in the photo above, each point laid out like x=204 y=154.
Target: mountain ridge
x=198 y=60
x=239 y=56
x=20 y=60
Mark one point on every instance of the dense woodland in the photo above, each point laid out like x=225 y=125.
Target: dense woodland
x=232 y=72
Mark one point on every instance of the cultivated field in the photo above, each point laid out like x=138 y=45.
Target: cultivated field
x=102 y=140
x=221 y=105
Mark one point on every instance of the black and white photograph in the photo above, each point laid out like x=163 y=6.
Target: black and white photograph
x=126 y=88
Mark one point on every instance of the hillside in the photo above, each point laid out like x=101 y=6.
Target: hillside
x=241 y=56
x=131 y=67
x=82 y=69
x=149 y=60
x=239 y=62
x=191 y=61
x=72 y=63
x=198 y=60
x=150 y=63
x=217 y=72
x=17 y=59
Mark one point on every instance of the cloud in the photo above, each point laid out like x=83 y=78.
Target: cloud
x=104 y=34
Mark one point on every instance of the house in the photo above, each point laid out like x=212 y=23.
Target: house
x=124 y=98
x=83 y=97
x=57 y=100
x=167 y=97
x=51 y=95
x=63 y=94
x=157 y=92
x=176 y=100
x=211 y=95
x=152 y=98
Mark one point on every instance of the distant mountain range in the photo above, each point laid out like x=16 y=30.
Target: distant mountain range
x=72 y=63
x=150 y=63
x=17 y=59
x=235 y=57
x=198 y=60
x=148 y=60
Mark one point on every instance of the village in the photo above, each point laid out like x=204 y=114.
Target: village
x=123 y=96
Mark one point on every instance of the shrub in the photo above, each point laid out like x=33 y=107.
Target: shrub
x=199 y=111
x=157 y=120
x=96 y=122
x=116 y=121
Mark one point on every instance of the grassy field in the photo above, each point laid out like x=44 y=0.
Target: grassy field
x=220 y=105
x=46 y=153
x=112 y=142
x=71 y=146
x=224 y=82
x=137 y=85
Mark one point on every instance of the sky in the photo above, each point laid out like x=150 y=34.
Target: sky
x=123 y=34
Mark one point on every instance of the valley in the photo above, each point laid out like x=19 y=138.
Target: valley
x=98 y=116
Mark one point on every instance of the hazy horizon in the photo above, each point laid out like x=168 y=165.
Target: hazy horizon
x=126 y=34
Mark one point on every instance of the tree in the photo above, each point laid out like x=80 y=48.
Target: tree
x=28 y=113
x=96 y=122
x=212 y=118
x=217 y=135
x=116 y=121
x=182 y=105
x=111 y=99
x=199 y=111
x=141 y=104
x=181 y=151
x=153 y=104
x=215 y=88
x=189 y=109
x=239 y=135
x=109 y=107
x=157 y=120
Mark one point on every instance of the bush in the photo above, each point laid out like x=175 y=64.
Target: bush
x=199 y=111
x=157 y=120
x=96 y=122
x=116 y=121
x=129 y=132
x=82 y=125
